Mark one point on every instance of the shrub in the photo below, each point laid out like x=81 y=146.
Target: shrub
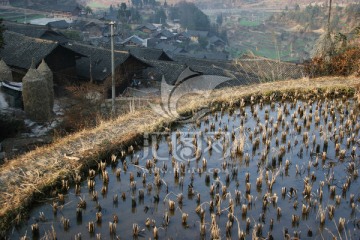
x=344 y=63
x=10 y=126
x=84 y=111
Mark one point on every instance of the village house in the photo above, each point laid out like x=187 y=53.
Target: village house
x=164 y=35
x=64 y=10
x=182 y=37
x=169 y=71
x=146 y=53
x=135 y=40
x=19 y=51
x=147 y=28
x=193 y=35
x=93 y=30
x=216 y=43
x=97 y=67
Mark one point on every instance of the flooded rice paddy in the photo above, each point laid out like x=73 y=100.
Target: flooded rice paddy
x=284 y=170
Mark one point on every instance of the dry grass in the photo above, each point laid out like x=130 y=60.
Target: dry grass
x=35 y=174
x=268 y=69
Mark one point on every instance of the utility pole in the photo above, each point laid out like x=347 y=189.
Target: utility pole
x=112 y=69
x=329 y=17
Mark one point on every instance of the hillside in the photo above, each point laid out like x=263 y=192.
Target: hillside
x=314 y=17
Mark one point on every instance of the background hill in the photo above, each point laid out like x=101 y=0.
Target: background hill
x=257 y=3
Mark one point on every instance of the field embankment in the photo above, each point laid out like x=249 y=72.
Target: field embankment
x=38 y=174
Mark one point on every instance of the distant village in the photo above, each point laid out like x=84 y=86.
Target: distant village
x=147 y=51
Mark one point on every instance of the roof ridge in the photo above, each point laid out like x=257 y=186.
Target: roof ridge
x=33 y=38
x=97 y=47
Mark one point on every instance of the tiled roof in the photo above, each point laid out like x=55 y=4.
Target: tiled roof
x=146 y=53
x=135 y=39
x=100 y=60
x=60 y=24
x=208 y=55
x=169 y=48
x=190 y=60
x=166 y=33
x=141 y=52
x=35 y=31
x=19 y=50
x=170 y=70
x=30 y=30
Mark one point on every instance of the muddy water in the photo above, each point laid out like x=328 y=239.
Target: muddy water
x=304 y=164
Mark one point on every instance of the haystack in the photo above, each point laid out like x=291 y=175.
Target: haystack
x=36 y=96
x=46 y=72
x=5 y=72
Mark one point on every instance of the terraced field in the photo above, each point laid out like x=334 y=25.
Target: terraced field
x=277 y=165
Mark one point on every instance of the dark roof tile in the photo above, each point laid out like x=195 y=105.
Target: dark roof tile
x=35 y=31
x=19 y=50
x=146 y=53
x=100 y=60
x=170 y=70
x=61 y=24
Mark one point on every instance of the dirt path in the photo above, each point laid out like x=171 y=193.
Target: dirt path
x=34 y=174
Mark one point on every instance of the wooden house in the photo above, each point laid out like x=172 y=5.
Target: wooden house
x=192 y=35
x=93 y=30
x=20 y=51
x=147 y=28
x=64 y=10
x=97 y=67
x=146 y=53
x=164 y=35
x=216 y=43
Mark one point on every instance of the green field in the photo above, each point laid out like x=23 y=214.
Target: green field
x=248 y=23
x=96 y=5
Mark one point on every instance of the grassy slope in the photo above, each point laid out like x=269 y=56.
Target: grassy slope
x=35 y=174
